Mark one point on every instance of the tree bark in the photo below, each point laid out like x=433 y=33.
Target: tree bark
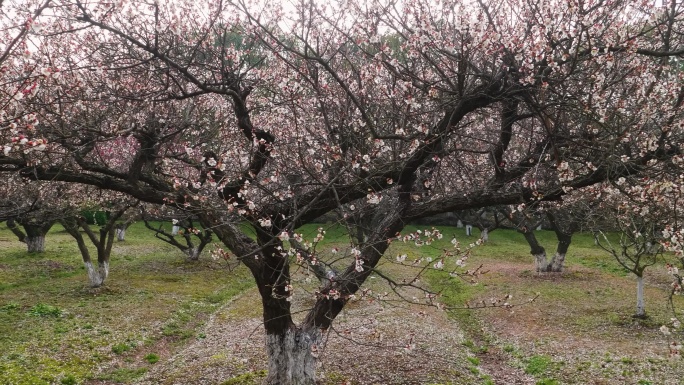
x=564 y=225
x=193 y=253
x=97 y=276
x=541 y=263
x=35 y=234
x=485 y=235
x=35 y=244
x=556 y=265
x=641 y=304
x=558 y=259
x=12 y=225
x=292 y=357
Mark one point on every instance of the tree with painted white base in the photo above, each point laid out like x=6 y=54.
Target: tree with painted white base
x=635 y=253
x=102 y=239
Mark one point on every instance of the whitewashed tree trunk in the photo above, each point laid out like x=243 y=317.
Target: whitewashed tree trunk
x=641 y=305
x=97 y=276
x=292 y=357
x=174 y=230
x=35 y=244
x=557 y=263
x=459 y=224
x=485 y=235
x=541 y=264
x=469 y=230
x=193 y=253
x=120 y=234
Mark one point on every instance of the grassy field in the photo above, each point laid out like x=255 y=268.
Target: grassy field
x=54 y=329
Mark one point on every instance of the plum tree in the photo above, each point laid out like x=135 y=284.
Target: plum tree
x=400 y=110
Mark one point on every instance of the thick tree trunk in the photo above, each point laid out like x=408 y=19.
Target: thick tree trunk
x=99 y=275
x=35 y=235
x=641 y=305
x=193 y=253
x=292 y=357
x=35 y=244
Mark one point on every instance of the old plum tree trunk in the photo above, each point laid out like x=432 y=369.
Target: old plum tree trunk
x=36 y=243
x=98 y=275
x=34 y=236
x=103 y=241
x=292 y=357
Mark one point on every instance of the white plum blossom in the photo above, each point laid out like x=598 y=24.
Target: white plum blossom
x=374 y=198
x=359 y=265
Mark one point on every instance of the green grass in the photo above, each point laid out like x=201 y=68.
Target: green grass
x=43 y=310
x=249 y=378
x=152 y=358
x=123 y=375
x=592 y=299
x=68 y=329
x=537 y=365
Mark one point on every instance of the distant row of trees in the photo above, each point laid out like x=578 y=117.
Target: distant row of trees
x=98 y=228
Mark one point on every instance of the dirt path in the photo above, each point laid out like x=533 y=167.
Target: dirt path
x=368 y=346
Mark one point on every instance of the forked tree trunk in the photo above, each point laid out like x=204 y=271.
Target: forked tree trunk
x=35 y=244
x=99 y=275
x=103 y=244
x=292 y=351
x=641 y=305
x=292 y=357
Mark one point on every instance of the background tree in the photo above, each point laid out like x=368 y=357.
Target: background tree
x=193 y=238
x=114 y=206
x=30 y=209
x=563 y=218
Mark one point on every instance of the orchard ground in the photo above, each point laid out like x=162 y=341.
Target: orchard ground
x=162 y=320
